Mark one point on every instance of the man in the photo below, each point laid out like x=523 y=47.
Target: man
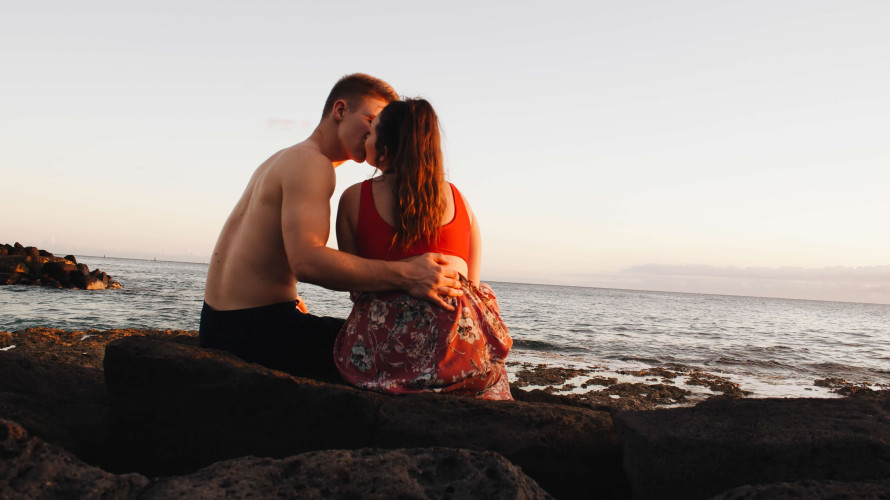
x=276 y=236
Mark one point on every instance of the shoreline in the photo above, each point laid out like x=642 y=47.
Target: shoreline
x=618 y=384
x=155 y=408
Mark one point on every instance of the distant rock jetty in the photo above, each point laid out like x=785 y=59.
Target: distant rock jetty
x=21 y=265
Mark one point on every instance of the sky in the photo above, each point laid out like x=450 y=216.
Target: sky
x=697 y=146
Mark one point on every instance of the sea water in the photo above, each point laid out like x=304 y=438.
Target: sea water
x=771 y=347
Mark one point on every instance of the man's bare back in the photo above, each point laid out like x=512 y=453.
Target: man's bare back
x=250 y=266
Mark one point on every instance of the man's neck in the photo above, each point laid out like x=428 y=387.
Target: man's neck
x=325 y=139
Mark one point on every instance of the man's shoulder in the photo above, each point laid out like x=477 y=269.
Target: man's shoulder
x=300 y=163
x=302 y=156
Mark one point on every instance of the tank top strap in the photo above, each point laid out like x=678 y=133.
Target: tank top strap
x=460 y=210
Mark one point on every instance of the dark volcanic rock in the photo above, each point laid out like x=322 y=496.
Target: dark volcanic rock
x=698 y=452
x=14 y=264
x=366 y=473
x=51 y=383
x=32 y=468
x=59 y=271
x=30 y=266
x=811 y=490
x=175 y=408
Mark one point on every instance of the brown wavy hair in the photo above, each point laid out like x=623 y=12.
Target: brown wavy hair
x=408 y=133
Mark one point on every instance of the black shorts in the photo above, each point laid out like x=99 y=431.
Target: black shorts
x=278 y=336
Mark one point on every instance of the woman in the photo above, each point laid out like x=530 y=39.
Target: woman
x=392 y=342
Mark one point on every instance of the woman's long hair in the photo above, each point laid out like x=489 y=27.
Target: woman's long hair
x=408 y=134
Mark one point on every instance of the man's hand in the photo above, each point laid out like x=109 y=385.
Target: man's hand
x=430 y=278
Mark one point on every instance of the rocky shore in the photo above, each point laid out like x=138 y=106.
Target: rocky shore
x=21 y=265
x=148 y=414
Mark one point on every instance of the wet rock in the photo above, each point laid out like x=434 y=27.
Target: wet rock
x=38 y=267
x=32 y=468
x=35 y=264
x=846 y=388
x=59 y=271
x=9 y=278
x=716 y=383
x=85 y=281
x=91 y=283
x=175 y=408
x=14 y=264
x=546 y=375
x=651 y=372
x=721 y=444
x=603 y=381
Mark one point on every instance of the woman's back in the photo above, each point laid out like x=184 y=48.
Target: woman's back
x=375 y=232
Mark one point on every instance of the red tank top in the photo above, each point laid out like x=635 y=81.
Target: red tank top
x=374 y=235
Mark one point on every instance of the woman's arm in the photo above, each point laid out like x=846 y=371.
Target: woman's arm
x=475 y=262
x=347 y=219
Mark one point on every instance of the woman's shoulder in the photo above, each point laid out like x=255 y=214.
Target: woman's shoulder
x=354 y=191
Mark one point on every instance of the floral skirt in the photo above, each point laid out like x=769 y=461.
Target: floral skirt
x=394 y=343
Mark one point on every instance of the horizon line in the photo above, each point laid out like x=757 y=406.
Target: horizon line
x=502 y=280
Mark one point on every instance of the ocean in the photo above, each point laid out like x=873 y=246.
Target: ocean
x=770 y=347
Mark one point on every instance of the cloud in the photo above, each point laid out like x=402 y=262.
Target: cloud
x=288 y=124
x=869 y=284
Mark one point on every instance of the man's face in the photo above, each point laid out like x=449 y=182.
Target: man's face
x=356 y=126
x=371 y=154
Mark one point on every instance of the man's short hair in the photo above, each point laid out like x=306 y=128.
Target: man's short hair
x=352 y=88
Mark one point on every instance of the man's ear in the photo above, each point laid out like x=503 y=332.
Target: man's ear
x=339 y=109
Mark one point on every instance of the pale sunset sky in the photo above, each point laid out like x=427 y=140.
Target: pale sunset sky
x=698 y=146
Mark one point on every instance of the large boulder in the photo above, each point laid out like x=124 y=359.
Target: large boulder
x=32 y=468
x=701 y=451
x=14 y=264
x=175 y=408
x=86 y=281
x=51 y=383
x=365 y=473
x=59 y=271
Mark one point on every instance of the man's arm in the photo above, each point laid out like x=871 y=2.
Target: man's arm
x=347 y=210
x=305 y=226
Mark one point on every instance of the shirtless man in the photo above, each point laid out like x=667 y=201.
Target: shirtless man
x=276 y=236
